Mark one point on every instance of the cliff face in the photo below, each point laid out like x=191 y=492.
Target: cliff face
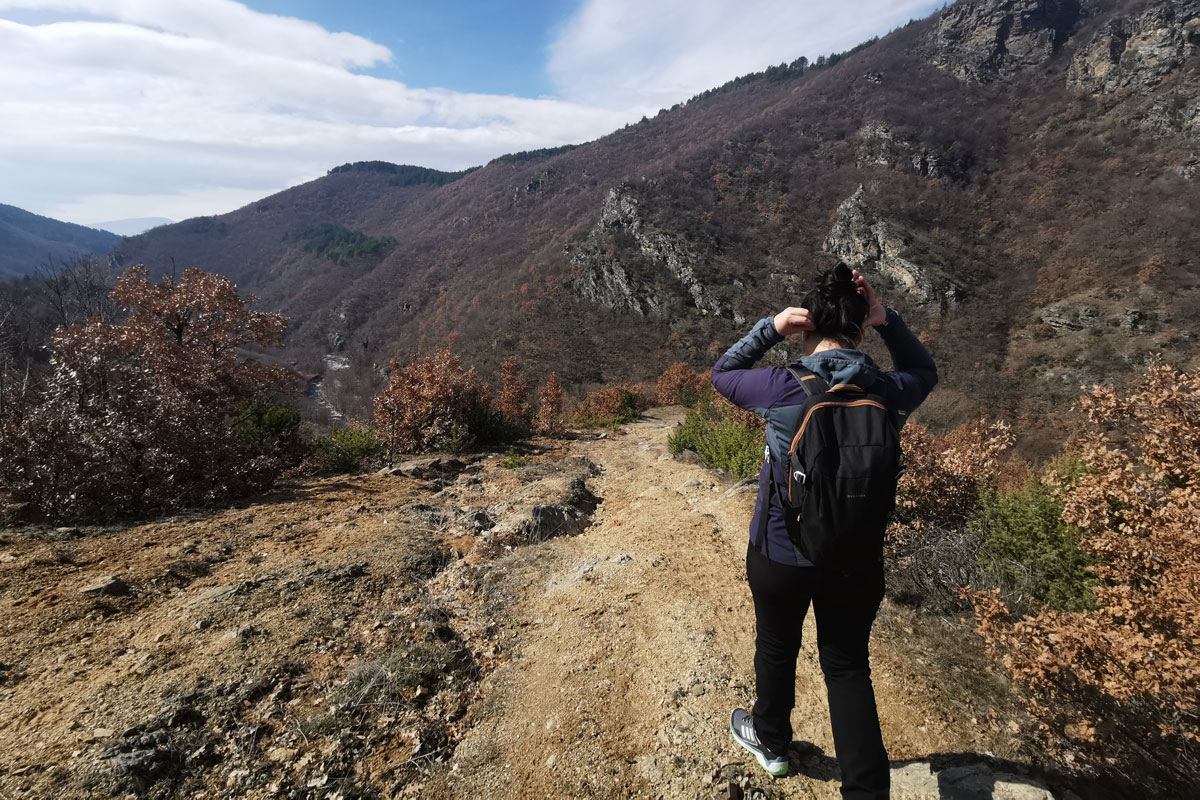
x=862 y=239
x=624 y=265
x=1139 y=50
x=882 y=146
x=985 y=40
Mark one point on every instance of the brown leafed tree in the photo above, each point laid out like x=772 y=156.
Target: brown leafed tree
x=428 y=404
x=549 y=420
x=135 y=417
x=514 y=391
x=1120 y=681
x=680 y=384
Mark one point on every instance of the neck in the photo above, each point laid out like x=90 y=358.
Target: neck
x=812 y=347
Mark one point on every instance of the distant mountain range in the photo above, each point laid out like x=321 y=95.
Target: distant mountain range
x=28 y=241
x=1018 y=176
x=132 y=227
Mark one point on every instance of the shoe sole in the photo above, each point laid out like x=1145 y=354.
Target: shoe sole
x=775 y=772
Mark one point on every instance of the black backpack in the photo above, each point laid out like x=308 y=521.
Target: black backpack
x=843 y=466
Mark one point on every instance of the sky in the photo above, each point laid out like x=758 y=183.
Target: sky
x=111 y=109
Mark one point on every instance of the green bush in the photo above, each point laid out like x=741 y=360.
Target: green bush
x=714 y=432
x=1028 y=544
x=512 y=459
x=345 y=449
x=267 y=425
x=489 y=426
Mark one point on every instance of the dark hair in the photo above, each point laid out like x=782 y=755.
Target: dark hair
x=837 y=309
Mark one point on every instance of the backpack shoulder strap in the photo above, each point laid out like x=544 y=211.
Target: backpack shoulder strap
x=812 y=383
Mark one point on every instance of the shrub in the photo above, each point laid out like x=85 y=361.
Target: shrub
x=549 y=420
x=722 y=435
x=512 y=459
x=1120 y=681
x=930 y=555
x=267 y=425
x=136 y=417
x=612 y=406
x=946 y=474
x=436 y=404
x=680 y=385
x=1029 y=546
x=345 y=449
x=514 y=392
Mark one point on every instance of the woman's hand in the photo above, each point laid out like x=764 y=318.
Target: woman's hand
x=793 y=320
x=876 y=313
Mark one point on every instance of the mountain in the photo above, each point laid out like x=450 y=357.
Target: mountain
x=1019 y=177
x=29 y=240
x=132 y=227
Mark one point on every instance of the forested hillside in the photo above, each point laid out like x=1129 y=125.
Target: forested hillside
x=28 y=241
x=1017 y=176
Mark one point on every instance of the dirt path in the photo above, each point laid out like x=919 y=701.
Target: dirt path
x=639 y=642
x=325 y=641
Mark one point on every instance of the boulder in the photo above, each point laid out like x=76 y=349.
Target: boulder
x=106 y=586
x=425 y=468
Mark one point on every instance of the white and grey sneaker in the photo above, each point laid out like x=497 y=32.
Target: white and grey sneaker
x=741 y=725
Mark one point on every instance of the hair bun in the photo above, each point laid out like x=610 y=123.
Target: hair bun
x=841 y=273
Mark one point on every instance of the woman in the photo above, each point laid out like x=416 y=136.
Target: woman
x=832 y=320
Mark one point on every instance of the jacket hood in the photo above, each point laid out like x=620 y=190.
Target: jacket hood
x=843 y=365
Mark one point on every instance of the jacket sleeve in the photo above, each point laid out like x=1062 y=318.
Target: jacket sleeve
x=752 y=389
x=914 y=374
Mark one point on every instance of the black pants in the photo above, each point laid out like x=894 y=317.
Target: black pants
x=845 y=607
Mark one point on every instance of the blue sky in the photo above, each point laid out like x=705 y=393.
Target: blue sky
x=112 y=109
x=488 y=46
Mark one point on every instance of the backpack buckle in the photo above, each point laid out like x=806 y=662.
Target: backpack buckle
x=799 y=477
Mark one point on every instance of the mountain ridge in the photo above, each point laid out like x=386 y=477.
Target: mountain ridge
x=990 y=158
x=29 y=240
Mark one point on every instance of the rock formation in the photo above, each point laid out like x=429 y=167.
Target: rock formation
x=1138 y=51
x=863 y=240
x=605 y=279
x=881 y=146
x=985 y=40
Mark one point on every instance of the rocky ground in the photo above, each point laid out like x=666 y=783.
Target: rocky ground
x=574 y=624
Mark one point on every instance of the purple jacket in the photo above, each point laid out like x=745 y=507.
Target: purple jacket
x=775 y=395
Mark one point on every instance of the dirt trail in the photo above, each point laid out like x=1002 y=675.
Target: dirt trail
x=324 y=641
x=639 y=642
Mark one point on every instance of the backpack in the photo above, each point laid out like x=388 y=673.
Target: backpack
x=843 y=466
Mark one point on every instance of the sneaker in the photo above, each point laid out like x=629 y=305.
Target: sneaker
x=741 y=725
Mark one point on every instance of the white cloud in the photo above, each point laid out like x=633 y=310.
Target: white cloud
x=617 y=53
x=228 y=22
x=134 y=108
x=144 y=108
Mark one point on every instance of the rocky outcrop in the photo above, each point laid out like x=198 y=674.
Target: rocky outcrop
x=1138 y=51
x=606 y=278
x=861 y=239
x=1069 y=316
x=1064 y=317
x=882 y=146
x=986 y=40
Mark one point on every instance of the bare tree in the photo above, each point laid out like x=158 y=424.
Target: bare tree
x=80 y=290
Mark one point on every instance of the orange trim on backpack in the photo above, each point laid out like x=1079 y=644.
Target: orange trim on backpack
x=842 y=386
x=808 y=416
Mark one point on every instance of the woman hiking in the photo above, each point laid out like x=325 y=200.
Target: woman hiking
x=832 y=320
